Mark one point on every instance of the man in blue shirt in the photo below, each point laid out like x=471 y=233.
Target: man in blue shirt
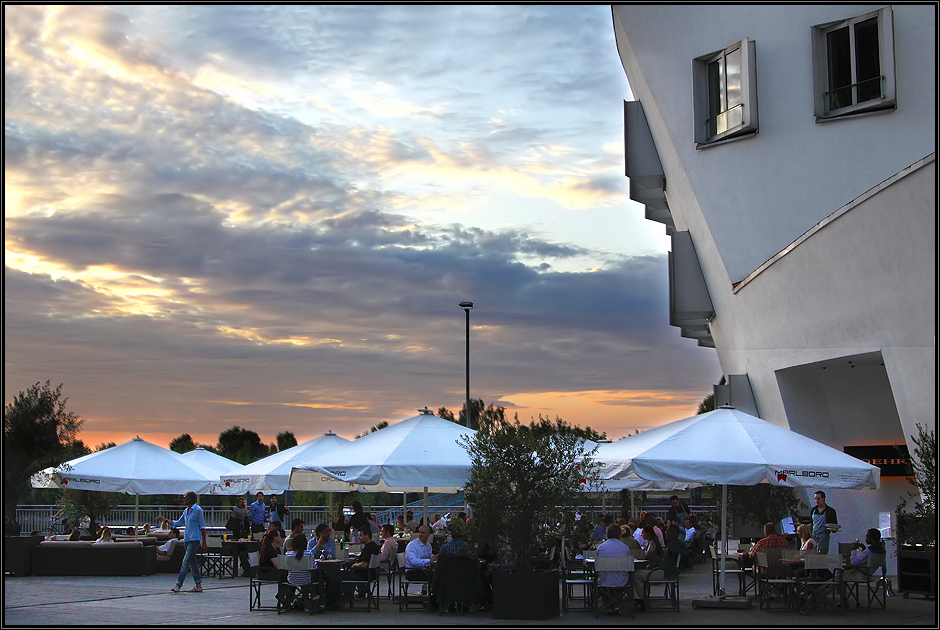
x=256 y=513
x=194 y=537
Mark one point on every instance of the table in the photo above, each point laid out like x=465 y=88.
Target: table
x=236 y=547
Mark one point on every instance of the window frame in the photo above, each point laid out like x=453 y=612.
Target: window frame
x=886 y=58
x=700 y=95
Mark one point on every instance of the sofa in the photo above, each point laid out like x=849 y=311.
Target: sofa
x=17 y=553
x=53 y=557
x=172 y=562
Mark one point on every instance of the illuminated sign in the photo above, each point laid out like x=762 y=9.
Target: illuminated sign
x=886 y=457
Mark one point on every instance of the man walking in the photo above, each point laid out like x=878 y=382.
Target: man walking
x=194 y=521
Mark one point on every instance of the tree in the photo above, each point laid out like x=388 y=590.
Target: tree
x=920 y=525
x=36 y=433
x=104 y=445
x=520 y=475
x=285 y=440
x=376 y=427
x=241 y=445
x=708 y=404
x=183 y=444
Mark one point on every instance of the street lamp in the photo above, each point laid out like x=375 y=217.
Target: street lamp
x=466 y=306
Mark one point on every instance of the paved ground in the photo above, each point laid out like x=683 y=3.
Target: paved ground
x=97 y=601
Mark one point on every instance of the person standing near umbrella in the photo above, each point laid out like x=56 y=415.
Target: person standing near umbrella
x=194 y=521
x=822 y=515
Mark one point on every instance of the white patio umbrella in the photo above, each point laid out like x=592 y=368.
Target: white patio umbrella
x=135 y=467
x=729 y=447
x=418 y=454
x=212 y=461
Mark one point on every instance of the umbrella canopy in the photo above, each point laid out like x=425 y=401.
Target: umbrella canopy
x=420 y=453
x=272 y=474
x=220 y=465
x=135 y=467
x=727 y=446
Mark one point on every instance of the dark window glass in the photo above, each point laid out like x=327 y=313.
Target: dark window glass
x=867 y=63
x=714 y=96
x=840 y=68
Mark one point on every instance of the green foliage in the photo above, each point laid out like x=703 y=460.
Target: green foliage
x=88 y=503
x=104 y=445
x=36 y=433
x=285 y=440
x=241 y=445
x=920 y=525
x=520 y=476
x=183 y=444
x=708 y=404
x=759 y=504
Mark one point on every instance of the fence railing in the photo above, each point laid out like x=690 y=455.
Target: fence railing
x=38 y=517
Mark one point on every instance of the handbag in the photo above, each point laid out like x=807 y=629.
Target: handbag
x=233 y=523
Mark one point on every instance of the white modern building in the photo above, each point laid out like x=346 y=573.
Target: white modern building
x=790 y=152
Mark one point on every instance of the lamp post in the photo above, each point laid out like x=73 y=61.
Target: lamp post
x=466 y=306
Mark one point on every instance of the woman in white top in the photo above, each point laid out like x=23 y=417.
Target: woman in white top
x=105 y=536
x=806 y=535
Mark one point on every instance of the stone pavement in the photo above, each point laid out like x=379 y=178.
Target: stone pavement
x=146 y=600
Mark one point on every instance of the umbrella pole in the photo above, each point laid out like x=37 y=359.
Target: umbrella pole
x=404 y=507
x=136 y=511
x=724 y=537
x=426 y=507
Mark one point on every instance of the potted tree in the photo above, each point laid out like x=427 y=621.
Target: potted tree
x=917 y=528
x=520 y=476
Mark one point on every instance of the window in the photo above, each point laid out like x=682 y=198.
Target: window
x=853 y=65
x=725 y=93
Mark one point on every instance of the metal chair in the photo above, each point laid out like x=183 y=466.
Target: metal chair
x=615 y=594
x=212 y=562
x=259 y=577
x=815 y=592
x=771 y=577
x=578 y=574
x=288 y=592
x=405 y=596
x=732 y=568
x=851 y=588
x=457 y=583
x=670 y=583
x=370 y=583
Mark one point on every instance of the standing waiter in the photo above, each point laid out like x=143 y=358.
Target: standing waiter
x=822 y=515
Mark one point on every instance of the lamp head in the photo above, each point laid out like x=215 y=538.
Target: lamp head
x=466 y=305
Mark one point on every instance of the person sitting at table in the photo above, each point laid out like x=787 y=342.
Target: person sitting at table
x=296 y=529
x=374 y=525
x=105 y=536
x=600 y=530
x=689 y=531
x=771 y=540
x=322 y=546
x=163 y=549
x=360 y=569
x=412 y=523
x=419 y=556
x=675 y=547
x=654 y=558
x=389 y=547
x=613 y=547
x=270 y=549
x=146 y=529
x=806 y=536
x=858 y=570
x=457 y=546
x=627 y=537
x=301 y=578
x=400 y=524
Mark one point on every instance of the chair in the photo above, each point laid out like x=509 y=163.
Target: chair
x=614 y=594
x=457 y=581
x=259 y=577
x=405 y=596
x=852 y=587
x=670 y=583
x=578 y=574
x=393 y=569
x=772 y=576
x=813 y=591
x=732 y=568
x=370 y=583
x=213 y=563
x=288 y=592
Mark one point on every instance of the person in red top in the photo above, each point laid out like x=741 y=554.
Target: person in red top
x=771 y=540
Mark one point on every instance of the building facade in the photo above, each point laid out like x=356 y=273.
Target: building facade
x=790 y=152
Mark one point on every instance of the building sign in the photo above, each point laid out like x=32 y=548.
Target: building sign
x=891 y=462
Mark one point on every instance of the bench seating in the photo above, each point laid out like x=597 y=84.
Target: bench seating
x=53 y=557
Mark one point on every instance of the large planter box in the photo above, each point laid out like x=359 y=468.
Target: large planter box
x=85 y=558
x=17 y=553
x=525 y=595
x=917 y=570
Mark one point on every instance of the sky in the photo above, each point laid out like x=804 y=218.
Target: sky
x=266 y=216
